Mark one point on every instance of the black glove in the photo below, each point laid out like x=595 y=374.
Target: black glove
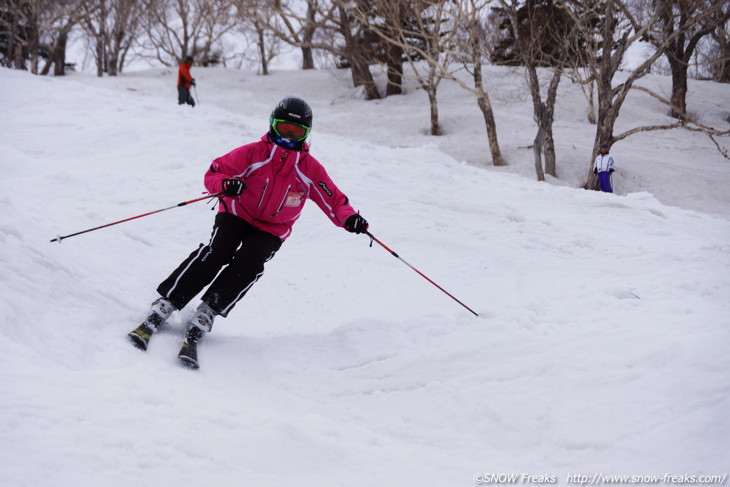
x=193 y=82
x=610 y=171
x=356 y=224
x=595 y=170
x=233 y=187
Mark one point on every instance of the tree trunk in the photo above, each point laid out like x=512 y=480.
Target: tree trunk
x=59 y=54
x=262 y=49
x=121 y=62
x=395 y=70
x=485 y=105
x=47 y=67
x=99 y=54
x=679 y=89
x=722 y=74
x=361 y=76
x=308 y=35
x=19 y=61
x=607 y=115
x=591 y=107
x=435 y=126
x=33 y=46
x=114 y=51
x=551 y=162
x=112 y=60
x=307 y=58
x=537 y=151
x=359 y=67
x=551 y=165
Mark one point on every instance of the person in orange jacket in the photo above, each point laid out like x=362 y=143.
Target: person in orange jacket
x=184 y=82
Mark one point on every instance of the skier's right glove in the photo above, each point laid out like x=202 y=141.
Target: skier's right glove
x=356 y=224
x=233 y=187
x=595 y=170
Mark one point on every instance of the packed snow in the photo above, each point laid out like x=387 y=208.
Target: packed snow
x=601 y=345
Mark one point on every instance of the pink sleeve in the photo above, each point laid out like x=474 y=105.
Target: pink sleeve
x=230 y=165
x=328 y=196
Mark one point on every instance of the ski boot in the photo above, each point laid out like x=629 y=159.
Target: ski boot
x=161 y=310
x=199 y=325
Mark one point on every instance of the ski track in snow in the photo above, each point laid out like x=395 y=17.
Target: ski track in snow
x=601 y=345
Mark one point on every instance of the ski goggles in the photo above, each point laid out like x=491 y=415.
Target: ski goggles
x=290 y=130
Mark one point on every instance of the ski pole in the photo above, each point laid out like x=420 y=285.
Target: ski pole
x=59 y=238
x=372 y=238
x=196 y=94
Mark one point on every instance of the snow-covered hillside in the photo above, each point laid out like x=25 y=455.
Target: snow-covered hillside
x=601 y=345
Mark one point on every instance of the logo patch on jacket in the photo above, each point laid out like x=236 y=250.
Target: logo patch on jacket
x=293 y=198
x=323 y=185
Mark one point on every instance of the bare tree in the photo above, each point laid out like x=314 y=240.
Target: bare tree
x=397 y=14
x=437 y=47
x=329 y=26
x=297 y=23
x=299 y=28
x=389 y=20
x=180 y=28
x=615 y=32
x=427 y=35
x=357 y=46
x=39 y=29
x=417 y=30
x=112 y=26
x=468 y=15
x=22 y=26
x=543 y=36
x=253 y=15
x=609 y=44
x=682 y=25
x=719 y=60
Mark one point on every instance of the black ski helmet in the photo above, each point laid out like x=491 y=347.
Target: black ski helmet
x=292 y=109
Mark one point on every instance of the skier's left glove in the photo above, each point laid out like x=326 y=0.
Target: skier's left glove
x=356 y=224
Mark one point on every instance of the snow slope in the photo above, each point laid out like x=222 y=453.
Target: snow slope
x=601 y=345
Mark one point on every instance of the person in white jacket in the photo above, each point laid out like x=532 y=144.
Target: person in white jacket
x=604 y=166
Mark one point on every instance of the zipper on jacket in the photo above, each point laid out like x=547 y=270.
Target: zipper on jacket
x=263 y=192
x=286 y=195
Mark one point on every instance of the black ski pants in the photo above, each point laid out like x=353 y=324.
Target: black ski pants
x=235 y=246
x=184 y=96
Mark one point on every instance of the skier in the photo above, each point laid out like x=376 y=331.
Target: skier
x=603 y=166
x=184 y=82
x=264 y=185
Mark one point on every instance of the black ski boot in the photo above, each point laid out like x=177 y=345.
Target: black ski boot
x=199 y=325
x=160 y=311
x=189 y=351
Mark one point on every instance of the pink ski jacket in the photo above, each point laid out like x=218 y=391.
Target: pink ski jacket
x=278 y=182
